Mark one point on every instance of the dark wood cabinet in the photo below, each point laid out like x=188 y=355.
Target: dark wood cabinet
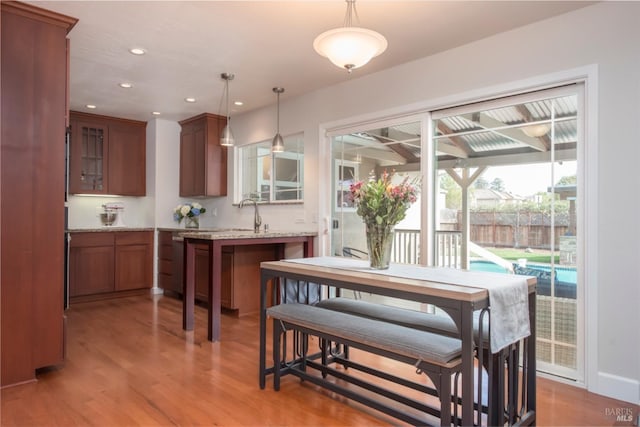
x=91 y=262
x=170 y=267
x=227 y=276
x=34 y=74
x=133 y=260
x=203 y=161
x=166 y=266
x=127 y=158
x=202 y=273
x=107 y=155
x=104 y=264
x=241 y=269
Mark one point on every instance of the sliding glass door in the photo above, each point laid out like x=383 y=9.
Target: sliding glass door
x=510 y=172
x=501 y=184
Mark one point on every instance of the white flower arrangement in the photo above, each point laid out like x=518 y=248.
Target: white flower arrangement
x=188 y=210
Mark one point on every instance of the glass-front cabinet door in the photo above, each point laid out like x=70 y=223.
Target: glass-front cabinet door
x=88 y=158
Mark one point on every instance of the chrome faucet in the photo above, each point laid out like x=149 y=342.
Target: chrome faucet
x=257 y=221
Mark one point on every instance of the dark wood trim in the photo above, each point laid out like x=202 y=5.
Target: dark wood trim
x=79 y=115
x=39 y=14
x=199 y=117
x=108 y=295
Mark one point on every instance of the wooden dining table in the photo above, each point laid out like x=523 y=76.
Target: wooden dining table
x=457 y=299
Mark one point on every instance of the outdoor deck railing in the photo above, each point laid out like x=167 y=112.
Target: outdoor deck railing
x=448 y=248
x=406 y=247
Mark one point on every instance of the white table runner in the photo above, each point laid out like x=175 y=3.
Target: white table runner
x=508 y=294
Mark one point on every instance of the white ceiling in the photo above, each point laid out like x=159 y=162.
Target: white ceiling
x=264 y=43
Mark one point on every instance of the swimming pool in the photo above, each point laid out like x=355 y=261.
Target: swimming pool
x=564 y=283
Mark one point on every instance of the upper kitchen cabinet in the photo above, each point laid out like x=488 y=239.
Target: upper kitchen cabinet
x=34 y=52
x=107 y=155
x=203 y=161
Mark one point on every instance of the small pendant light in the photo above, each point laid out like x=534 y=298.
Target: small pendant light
x=277 y=145
x=226 y=136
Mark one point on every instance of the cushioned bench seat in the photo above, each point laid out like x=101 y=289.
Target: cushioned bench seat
x=417 y=344
x=435 y=323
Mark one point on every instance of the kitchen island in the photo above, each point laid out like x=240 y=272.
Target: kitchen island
x=215 y=240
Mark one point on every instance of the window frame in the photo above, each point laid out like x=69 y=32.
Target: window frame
x=263 y=152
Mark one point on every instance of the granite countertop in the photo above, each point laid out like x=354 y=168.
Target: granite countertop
x=239 y=233
x=204 y=233
x=183 y=230
x=108 y=229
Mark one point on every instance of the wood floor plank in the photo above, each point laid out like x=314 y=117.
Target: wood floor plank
x=129 y=363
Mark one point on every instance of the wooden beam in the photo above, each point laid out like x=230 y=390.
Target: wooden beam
x=463 y=148
x=510 y=159
x=496 y=126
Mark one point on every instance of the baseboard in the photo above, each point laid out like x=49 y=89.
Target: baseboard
x=617 y=387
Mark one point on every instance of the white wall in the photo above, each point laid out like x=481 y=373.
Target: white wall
x=604 y=37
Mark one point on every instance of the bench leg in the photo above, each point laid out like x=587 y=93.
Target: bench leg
x=277 y=333
x=512 y=379
x=445 y=398
x=304 y=348
x=324 y=355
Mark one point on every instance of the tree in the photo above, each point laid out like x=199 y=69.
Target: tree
x=453 y=199
x=481 y=182
x=568 y=180
x=497 y=184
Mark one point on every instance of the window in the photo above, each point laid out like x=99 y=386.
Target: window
x=272 y=177
x=346 y=174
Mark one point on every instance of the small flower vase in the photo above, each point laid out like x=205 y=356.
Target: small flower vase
x=379 y=244
x=191 y=222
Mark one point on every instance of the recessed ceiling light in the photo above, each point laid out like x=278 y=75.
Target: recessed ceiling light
x=91 y=106
x=190 y=100
x=137 y=51
x=238 y=103
x=126 y=85
x=155 y=113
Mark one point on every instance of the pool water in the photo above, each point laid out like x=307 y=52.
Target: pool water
x=565 y=280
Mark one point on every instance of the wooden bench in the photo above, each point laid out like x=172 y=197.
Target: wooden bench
x=435 y=355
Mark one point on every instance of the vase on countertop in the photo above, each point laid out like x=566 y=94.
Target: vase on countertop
x=192 y=222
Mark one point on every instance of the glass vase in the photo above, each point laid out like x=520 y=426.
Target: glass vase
x=192 y=222
x=379 y=244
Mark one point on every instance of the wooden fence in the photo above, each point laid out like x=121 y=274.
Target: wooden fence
x=512 y=229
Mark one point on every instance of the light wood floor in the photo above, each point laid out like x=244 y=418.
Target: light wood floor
x=130 y=363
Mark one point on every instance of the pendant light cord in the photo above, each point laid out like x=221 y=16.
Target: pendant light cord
x=278 y=115
x=227 y=95
x=351 y=12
